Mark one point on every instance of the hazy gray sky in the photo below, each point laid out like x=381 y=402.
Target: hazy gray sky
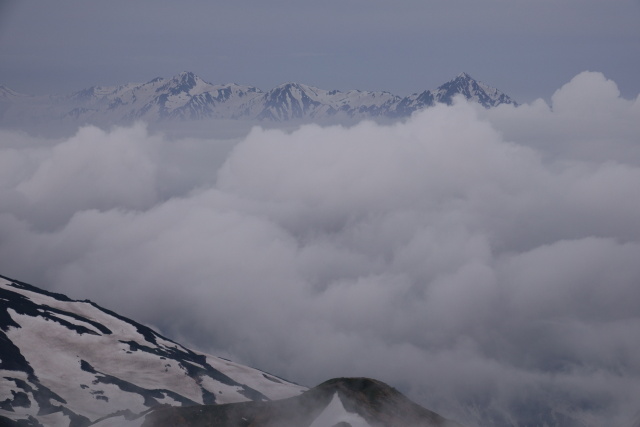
x=526 y=48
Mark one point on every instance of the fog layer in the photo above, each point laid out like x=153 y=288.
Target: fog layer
x=486 y=262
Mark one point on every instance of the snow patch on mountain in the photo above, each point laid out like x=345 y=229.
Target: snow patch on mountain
x=335 y=414
x=97 y=363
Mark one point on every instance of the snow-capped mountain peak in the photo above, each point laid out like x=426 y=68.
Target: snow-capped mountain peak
x=185 y=82
x=186 y=96
x=472 y=90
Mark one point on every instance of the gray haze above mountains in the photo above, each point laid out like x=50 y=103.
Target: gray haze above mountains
x=482 y=260
x=530 y=47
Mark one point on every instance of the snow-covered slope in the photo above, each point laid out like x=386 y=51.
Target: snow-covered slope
x=183 y=97
x=188 y=97
x=472 y=90
x=70 y=363
x=297 y=101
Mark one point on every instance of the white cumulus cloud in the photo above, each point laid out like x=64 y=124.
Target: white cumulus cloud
x=484 y=261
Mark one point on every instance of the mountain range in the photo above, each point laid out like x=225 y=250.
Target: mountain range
x=188 y=97
x=73 y=363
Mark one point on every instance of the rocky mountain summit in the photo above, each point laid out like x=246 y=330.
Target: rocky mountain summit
x=342 y=402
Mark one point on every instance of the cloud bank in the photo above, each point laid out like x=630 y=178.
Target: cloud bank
x=483 y=261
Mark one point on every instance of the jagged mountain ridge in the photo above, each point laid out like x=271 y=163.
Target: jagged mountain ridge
x=70 y=363
x=188 y=97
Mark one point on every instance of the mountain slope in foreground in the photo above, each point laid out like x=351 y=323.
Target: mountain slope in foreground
x=73 y=363
x=70 y=363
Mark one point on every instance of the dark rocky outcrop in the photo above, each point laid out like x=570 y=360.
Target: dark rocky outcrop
x=377 y=403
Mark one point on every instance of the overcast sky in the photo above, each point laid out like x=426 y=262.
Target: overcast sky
x=526 y=48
